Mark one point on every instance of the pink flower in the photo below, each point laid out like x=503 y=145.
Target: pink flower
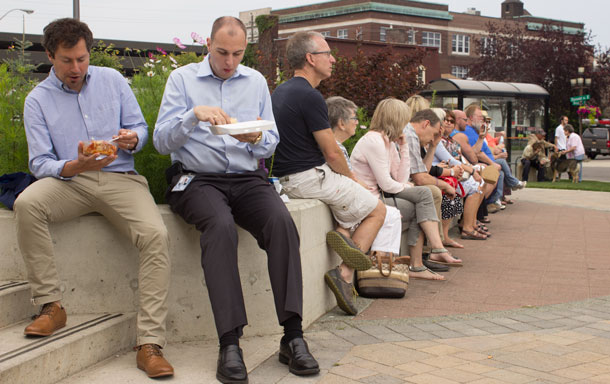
x=197 y=38
x=151 y=56
x=161 y=51
x=178 y=43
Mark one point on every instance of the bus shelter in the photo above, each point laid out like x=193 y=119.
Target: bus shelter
x=506 y=92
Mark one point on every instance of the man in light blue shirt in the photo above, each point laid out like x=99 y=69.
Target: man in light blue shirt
x=77 y=103
x=215 y=184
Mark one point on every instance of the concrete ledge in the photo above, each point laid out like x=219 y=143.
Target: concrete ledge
x=98 y=268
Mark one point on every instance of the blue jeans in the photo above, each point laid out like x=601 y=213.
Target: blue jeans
x=510 y=180
x=506 y=176
x=497 y=193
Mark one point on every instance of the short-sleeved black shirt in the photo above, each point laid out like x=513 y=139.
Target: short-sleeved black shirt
x=299 y=110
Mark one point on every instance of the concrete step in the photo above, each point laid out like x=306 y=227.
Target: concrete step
x=193 y=362
x=84 y=341
x=15 y=302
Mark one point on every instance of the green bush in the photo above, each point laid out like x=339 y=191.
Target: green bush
x=13 y=144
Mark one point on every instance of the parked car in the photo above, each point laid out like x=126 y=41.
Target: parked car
x=596 y=140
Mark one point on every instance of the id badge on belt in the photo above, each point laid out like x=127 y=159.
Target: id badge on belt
x=184 y=181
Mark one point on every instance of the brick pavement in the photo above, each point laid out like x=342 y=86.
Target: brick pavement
x=531 y=304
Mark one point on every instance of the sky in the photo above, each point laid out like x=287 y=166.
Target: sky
x=160 y=21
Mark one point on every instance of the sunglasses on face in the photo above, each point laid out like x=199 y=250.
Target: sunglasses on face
x=450 y=121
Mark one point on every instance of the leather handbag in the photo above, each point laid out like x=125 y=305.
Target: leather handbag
x=490 y=174
x=385 y=279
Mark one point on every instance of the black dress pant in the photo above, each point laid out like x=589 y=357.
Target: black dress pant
x=527 y=163
x=214 y=203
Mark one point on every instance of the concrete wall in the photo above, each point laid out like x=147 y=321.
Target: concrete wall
x=98 y=270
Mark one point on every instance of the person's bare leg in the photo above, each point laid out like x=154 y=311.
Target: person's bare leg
x=367 y=230
x=471 y=206
x=430 y=228
x=448 y=241
x=415 y=251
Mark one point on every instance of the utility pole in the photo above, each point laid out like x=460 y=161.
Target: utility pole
x=76 y=9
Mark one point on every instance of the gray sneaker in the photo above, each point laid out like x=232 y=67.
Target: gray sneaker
x=520 y=185
x=344 y=291
x=352 y=256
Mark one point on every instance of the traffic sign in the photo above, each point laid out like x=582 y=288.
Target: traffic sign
x=576 y=100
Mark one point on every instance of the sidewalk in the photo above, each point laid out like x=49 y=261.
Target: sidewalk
x=531 y=304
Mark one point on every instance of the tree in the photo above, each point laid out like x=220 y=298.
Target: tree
x=600 y=80
x=368 y=79
x=547 y=57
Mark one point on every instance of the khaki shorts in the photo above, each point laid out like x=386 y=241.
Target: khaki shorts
x=349 y=202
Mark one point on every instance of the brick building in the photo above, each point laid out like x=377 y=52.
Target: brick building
x=453 y=34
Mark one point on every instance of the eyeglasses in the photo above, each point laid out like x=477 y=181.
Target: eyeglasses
x=327 y=53
x=355 y=118
x=450 y=121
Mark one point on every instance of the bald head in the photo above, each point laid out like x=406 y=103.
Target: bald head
x=460 y=119
x=233 y=24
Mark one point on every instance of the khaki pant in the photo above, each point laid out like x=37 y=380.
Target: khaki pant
x=126 y=202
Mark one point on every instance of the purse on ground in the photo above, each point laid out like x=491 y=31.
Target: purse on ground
x=385 y=279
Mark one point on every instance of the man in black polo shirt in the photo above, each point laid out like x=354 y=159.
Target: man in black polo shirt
x=311 y=165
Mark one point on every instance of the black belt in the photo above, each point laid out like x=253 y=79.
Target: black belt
x=125 y=173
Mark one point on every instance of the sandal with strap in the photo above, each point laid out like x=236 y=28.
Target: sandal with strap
x=423 y=268
x=436 y=251
x=473 y=235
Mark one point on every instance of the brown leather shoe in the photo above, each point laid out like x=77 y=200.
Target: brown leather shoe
x=150 y=359
x=52 y=317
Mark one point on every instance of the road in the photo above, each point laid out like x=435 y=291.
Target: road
x=598 y=169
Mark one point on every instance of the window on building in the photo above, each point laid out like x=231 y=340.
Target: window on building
x=431 y=39
x=411 y=36
x=325 y=33
x=459 y=71
x=488 y=46
x=382 y=32
x=421 y=75
x=460 y=44
x=342 y=33
x=519 y=117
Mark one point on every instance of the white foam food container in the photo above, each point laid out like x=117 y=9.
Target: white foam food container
x=242 y=127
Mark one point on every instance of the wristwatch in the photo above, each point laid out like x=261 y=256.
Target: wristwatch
x=258 y=138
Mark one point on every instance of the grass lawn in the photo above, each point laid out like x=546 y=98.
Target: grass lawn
x=585 y=185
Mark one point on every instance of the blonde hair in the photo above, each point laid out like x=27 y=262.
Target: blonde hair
x=440 y=112
x=390 y=118
x=417 y=103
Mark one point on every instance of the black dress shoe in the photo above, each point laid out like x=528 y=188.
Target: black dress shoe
x=231 y=368
x=296 y=354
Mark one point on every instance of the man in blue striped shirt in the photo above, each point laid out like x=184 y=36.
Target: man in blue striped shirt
x=78 y=102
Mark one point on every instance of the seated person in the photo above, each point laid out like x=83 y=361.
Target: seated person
x=381 y=167
x=477 y=127
x=471 y=153
x=75 y=102
x=534 y=155
x=224 y=187
x=448 y=152
x=344 y=121
x=310 y=164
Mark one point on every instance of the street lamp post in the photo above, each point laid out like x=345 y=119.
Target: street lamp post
x=28 y=11
x=581 y=83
